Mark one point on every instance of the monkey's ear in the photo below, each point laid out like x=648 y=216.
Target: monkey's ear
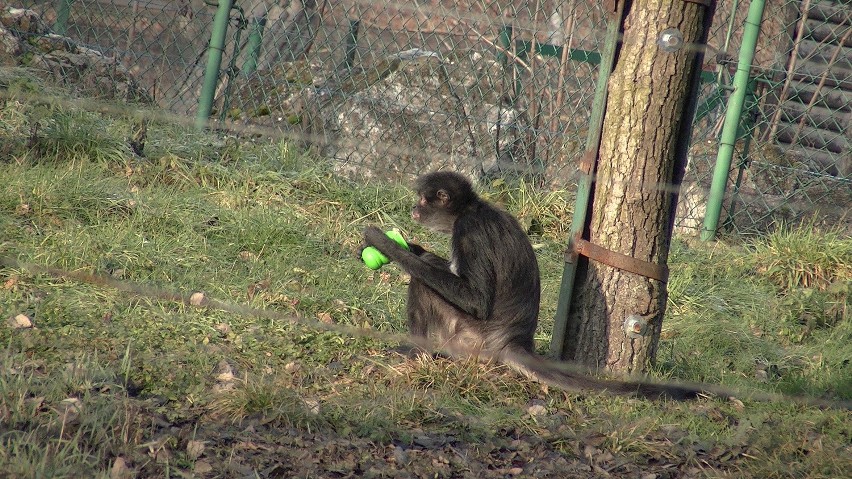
x=443 y=197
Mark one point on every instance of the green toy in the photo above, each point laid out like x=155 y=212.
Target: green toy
x=374 y=259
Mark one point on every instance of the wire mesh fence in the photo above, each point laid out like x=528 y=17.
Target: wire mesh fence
x=161 y=43
x=793 y=156
x=491 y=88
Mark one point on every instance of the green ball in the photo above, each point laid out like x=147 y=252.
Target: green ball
x=373 y=258
x=397 y=236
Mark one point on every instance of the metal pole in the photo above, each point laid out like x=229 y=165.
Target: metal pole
x=351 y=43
x=63 y=11
x=584 y=184
x=732 y=120
x=214 y=62
x=745 y=131
x=256 y=26
x=504 y=39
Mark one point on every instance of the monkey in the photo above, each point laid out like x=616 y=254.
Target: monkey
x=484 y=300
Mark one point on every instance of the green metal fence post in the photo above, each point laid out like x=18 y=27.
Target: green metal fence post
x=732 y=120
x=745 y=131
x=351 y=44
x=504 y=40
x=63 y=11
x=584 y=184
x=256 y=26
x=214 y=62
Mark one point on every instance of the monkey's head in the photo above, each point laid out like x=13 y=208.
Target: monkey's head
x=442 y=195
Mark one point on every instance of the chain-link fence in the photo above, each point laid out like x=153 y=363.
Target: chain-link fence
x=162 y=43
x=492 y=88
x=793 y=155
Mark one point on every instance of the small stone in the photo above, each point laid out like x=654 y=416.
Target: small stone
x=20 y=321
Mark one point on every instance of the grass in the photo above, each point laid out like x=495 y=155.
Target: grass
x=109 y=383
x=804 y=257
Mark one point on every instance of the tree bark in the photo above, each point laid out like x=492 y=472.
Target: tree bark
x=637 y=176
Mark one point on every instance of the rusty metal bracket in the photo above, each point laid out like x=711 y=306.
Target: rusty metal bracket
x=660 y=272
x=587 y=162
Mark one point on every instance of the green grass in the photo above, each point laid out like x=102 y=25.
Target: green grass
x=105 y=374
x=756 y=325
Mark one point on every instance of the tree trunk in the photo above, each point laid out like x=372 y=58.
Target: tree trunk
x=640 y=164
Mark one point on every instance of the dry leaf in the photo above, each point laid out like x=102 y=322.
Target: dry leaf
x=197 y=299
x=292 y=367
x=194 y=449
x=22 y=209
x=738 y=405
x=247 y=256
x=312 y=405
x=72 y=405
x=119 y=469
x=537 y=410
x=202 y=467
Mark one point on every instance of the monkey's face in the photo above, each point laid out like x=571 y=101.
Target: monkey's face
x=433 y=214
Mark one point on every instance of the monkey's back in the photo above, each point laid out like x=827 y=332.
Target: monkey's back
x=493 y=246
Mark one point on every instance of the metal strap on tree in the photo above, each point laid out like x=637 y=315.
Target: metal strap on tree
x=617 y=260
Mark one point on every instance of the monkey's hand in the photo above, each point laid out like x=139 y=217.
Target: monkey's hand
x=416 y=249
x=375 y=238
x=378 y=239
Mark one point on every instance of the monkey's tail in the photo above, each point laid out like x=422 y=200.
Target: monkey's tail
x=559 y=376
x=570 y=378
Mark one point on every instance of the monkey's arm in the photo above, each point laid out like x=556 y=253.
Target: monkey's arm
x=429 y=257
x=417 y=250
x=459 y=291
